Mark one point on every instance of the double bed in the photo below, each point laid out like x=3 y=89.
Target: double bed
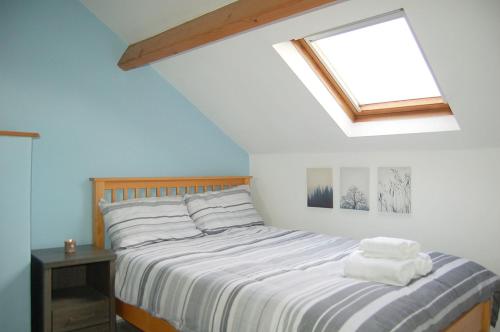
x=262 y=278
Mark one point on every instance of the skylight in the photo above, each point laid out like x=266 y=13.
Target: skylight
x=371 y=77
x=377 y=63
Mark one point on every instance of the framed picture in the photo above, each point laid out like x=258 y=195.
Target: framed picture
x=394 y=190
x=320 y=187
x=355 y=188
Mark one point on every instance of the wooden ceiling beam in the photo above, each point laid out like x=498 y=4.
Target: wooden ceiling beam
x=234 y=18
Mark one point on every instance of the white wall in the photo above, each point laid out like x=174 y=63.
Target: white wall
x=456 y=199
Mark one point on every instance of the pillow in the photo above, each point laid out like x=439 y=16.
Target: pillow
x=136 y=222
x=216 y=211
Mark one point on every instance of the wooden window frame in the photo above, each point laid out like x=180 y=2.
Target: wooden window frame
x=411 y=108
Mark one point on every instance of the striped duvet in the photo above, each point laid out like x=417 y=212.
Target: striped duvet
x=268 y=279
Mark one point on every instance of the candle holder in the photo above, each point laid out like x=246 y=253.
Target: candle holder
x=69 y=246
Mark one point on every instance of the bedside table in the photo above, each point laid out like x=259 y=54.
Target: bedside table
x=73 y=292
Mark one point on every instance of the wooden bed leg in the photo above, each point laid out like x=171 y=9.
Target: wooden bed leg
x=475 y=320
x=485 y=325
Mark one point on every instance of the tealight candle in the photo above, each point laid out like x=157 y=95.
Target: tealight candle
x=70 y=246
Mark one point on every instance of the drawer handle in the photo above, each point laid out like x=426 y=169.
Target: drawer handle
x=79 y=318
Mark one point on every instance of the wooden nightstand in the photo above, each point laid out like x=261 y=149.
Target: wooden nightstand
x=73 y=292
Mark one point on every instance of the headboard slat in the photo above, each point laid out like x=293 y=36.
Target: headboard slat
x=100 y=185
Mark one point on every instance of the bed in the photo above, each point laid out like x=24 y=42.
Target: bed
x=263 y=278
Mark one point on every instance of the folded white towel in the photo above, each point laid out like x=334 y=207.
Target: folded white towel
x=388 y=247
x=423 y=264
x=387 y=271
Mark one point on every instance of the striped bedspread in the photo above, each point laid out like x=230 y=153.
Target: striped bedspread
x=268 y=279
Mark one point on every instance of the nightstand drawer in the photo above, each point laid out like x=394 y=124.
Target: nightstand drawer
x=72 y=318
x=95 y=328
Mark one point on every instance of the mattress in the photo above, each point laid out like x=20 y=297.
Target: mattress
x=269 y=279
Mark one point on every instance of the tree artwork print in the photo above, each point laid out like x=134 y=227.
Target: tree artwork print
x=355 y=188
x=394 y=190
x=320 y=187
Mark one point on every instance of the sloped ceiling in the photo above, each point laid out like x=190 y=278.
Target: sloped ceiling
x=243 y=85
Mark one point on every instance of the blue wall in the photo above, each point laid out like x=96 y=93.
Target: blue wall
x=58 y=76
x=15 y=168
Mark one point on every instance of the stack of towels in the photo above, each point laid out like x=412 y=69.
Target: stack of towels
x=387 y=260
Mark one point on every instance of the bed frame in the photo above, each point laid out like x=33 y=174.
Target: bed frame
x=475 y=320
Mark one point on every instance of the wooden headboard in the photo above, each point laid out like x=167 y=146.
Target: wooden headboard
x=128 y=188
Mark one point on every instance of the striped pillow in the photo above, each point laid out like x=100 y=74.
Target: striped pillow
x=216 y=211
x=137 y=222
